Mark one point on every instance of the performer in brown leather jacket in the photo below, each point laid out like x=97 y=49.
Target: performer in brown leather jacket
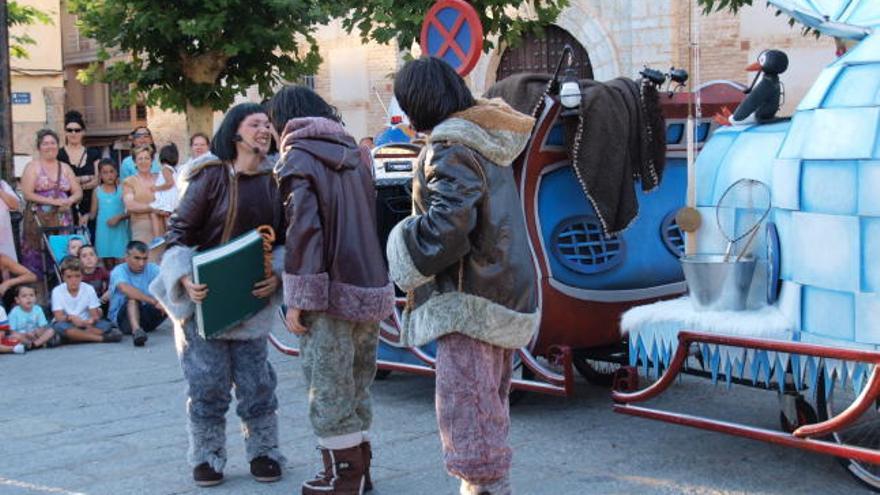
x=231 y=191
x=335 y=281
x=464 y=260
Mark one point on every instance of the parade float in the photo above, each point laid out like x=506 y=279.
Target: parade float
x=808 y=321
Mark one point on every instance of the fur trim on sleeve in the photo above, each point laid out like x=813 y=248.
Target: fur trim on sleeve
x=400 y=263
x=176 y=262
x=308 y=292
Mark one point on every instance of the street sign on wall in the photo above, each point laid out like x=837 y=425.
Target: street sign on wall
x=452 y=31
x=21 y=98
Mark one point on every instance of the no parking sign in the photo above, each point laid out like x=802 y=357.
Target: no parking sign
x=452 y=31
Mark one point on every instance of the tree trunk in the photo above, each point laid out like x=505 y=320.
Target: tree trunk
x=199 y=119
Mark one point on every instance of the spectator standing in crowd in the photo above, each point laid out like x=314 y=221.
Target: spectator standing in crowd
x=199 y=147
x=140 y=137
x=464 y=260
x=108 y=208
x=12 y=274
x=8 y=203
x=28 y=322
x=138 y=196
x=94 y=274
x=132 y=308
x=83 y=161
x=230 y=194
x=51 y=190
x=335 y=280
x=77 y=309
x=165 y=189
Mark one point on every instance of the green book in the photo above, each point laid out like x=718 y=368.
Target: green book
x=230 y=272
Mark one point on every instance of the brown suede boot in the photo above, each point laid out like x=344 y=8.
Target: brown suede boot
x=367 y=450
x=343 y=473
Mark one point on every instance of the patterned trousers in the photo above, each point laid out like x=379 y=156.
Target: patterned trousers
x=473 y=412
x=339 y=364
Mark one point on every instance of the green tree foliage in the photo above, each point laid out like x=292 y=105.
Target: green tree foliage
x=196 y=55
x=23 y=15
x=719 y=5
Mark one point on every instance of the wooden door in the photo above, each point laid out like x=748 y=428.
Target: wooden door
x=541 y=54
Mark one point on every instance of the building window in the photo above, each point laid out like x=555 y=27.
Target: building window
x=121 y=114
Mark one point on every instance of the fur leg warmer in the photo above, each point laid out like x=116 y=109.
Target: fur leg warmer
x=261 y=438
x=207 y=443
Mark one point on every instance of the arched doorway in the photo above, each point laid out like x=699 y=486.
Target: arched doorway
x=541 y=54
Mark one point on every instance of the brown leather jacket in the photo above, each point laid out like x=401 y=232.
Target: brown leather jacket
x=334 y=261
x=220 y=204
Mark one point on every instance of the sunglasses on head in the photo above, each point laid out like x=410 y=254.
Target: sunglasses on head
x=73 y=130
x=141 y=134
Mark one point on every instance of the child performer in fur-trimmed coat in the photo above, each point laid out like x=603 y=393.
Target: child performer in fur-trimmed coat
x=335 y=281
x=464 y=261
x=230 y=193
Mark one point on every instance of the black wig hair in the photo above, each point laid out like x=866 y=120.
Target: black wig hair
x=74 y=117
x=298 y=101
x=168 y=154
x=223 y=144
x=429 y=91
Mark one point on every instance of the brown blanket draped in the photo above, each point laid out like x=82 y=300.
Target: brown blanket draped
x=619 y=137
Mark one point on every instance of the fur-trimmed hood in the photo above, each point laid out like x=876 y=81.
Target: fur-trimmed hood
x=491 y=127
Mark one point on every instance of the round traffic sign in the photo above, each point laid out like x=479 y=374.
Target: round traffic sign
x=452 y=31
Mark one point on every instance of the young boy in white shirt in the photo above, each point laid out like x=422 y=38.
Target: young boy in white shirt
x=28 y=322
x=77 y=309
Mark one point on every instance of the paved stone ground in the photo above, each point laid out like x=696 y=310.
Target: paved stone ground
x=108 y=419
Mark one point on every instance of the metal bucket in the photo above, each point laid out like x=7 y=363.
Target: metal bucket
x=718 y=285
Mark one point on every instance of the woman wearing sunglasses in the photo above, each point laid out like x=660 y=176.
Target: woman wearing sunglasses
x=82 y=160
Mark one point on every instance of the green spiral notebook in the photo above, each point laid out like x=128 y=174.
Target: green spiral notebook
x=230 y=272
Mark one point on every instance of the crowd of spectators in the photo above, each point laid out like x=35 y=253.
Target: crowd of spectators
x=109 y=216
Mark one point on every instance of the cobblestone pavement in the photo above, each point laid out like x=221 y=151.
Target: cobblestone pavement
x=109 y=419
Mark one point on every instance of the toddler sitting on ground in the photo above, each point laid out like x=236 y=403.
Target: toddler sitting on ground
x=28 y=322
x=8 y=344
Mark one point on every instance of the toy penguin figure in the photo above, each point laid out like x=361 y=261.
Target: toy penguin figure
x=764 y=94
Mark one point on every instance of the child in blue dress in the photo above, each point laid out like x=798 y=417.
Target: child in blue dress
x=112 y=234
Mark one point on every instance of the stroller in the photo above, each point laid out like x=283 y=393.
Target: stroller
x=55 y=242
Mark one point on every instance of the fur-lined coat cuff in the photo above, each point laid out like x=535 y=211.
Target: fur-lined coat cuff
x=176 y=262
x=400 y=263
x=307 y=292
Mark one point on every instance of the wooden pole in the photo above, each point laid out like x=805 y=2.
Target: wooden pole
x=690 y=128
x=7 y=167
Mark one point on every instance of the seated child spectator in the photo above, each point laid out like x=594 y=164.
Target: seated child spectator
x=28 y=322
x=77 y=309
x=8 y=344
x=94 y=273
x=73 y=246
x=12 y=273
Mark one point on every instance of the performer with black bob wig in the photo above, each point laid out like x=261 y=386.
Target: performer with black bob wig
x=463 y=258
x=231 y=191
